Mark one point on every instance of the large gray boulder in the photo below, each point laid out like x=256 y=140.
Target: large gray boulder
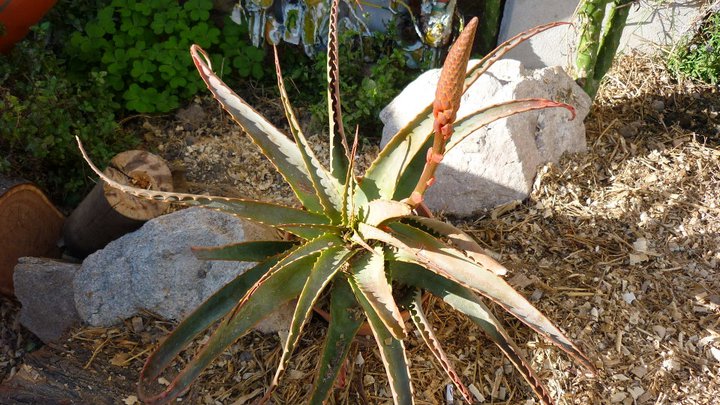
x=154 y=269
x=497 y=164
x=44 y=288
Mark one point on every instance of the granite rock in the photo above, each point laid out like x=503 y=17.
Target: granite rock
x=154 y=269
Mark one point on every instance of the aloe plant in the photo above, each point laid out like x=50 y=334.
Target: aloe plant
x=369 y=241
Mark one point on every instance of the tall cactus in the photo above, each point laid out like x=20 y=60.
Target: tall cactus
x=598 y=43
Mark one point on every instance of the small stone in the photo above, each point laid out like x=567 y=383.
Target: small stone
x=137 y=324
x=618 y=397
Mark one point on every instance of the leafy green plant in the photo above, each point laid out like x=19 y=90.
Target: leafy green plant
x=699 y=57
x=370 y=242
x=42 y=109
x=143 y=48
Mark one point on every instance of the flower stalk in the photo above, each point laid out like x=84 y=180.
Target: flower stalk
x=445 y=108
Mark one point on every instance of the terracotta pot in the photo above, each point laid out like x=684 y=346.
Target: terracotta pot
x=16 y=18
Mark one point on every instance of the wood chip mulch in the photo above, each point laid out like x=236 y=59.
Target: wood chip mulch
x=618 y=246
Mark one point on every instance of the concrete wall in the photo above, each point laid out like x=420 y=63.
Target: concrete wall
x=652 y=24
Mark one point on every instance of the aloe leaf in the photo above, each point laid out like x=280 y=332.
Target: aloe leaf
x=392 y=352
x=264 y=213
x=299 y=260
x=467 y=302
x=345 y=321
x=464 y=127
x=368 y=274
x=279 y=149
x=339 y=159
x=348 y=210
x=464 y=242
x=253 y=251
x=383 y=175
x=313 y=230
x=327 y=187
x=325 y=268
x=281 y=287
x=417 y=314
x=382 y=210
x=498 y=53
x=205 y=315
x=419 y=247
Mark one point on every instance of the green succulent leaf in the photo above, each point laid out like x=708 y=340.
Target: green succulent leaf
x=465 y=126
x=264 y=213
x=284 y=284
x=409 y=172
x=380 y=211
x=280 y=150
x=351 y=193
x=327 y=265
x=326 y=186
x=368 y=274
x=417 y=314
x=253 y=251
x=459 y=239
x=467 y=302
x=498 y=53
x=339 y=151
x=416 y=246
x=205 y=315
x=392 y=351
x=345 y=321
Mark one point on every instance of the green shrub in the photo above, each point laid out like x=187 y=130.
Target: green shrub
x=143 y=48
x=42 y=109
x=699 y=57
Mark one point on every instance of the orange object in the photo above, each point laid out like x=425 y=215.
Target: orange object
x=16 y=18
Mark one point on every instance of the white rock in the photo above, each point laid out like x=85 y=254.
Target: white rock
x=154 y=269
x=497 y=164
